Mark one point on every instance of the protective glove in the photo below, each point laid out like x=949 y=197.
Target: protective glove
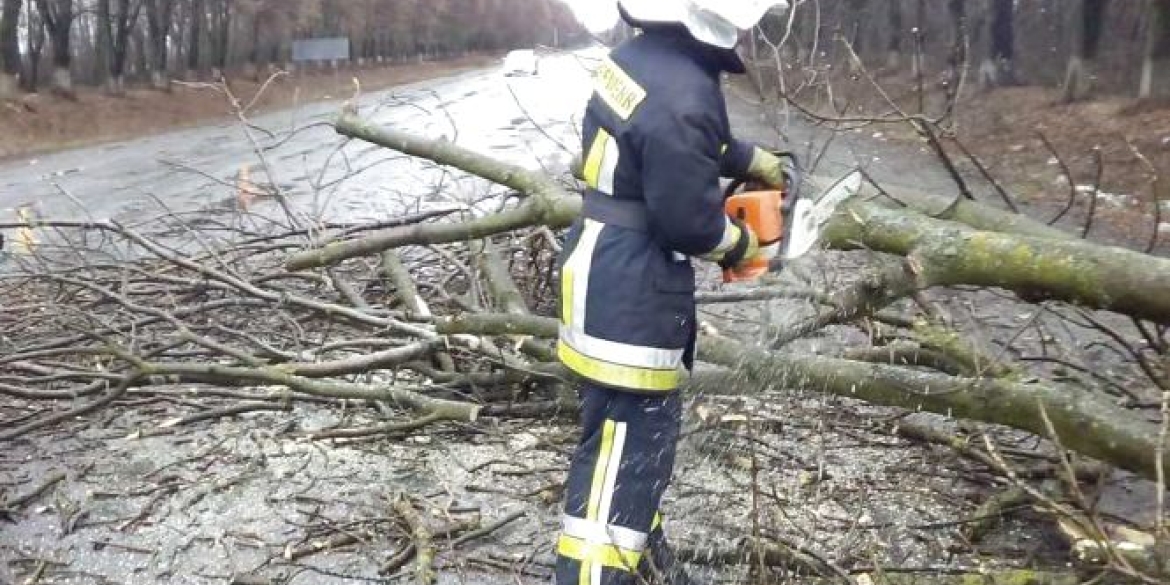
x=747 y=247
x=775 y=171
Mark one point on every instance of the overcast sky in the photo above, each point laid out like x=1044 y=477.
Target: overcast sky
x=597 y=15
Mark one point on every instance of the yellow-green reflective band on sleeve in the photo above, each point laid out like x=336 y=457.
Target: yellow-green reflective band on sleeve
x=617 y=375
x=567 y=294
x=606 y=555
x=604 y=455
x=620 y=92
x=595 y=157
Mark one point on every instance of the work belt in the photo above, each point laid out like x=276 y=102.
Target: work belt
x=627 y=213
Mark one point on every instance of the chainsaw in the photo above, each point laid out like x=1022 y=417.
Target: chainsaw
x=787 y=224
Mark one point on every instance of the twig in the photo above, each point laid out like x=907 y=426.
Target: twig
x=490 y=528
x=1072 y=184
x=423 y=541
x=1100 y=166
x=385 y=429
x=1003 y=194
x=18 y=502
x=84 y=409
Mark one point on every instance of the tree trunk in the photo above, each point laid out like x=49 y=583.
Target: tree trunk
x=998 y=68
x=920 y=24
x=1090 y=16
x=158 y=21
x=958 y=56
x=34 y=47
x=856 y=28
x=221 y=25
x=1156 y=62
x=894 y=40
x=119 y=26
x=58 y=17
x=194 y=37
x=103 y=44
x=9 y=48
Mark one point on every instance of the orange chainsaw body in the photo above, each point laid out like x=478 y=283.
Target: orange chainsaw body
x=760 y=211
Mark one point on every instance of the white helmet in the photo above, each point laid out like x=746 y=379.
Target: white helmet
x=715 y=22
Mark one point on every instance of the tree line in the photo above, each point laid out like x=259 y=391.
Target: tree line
x=106 y=42
x=1084 y=46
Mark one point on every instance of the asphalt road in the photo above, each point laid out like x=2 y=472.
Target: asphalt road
x=531 y=121
x=197 y=169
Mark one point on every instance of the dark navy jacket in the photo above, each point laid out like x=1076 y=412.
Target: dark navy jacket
x=657 y=139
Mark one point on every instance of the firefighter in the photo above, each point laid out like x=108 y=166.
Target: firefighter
x=656 y=141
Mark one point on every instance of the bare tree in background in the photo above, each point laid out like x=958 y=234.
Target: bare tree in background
x=115 y=27
x=219 y=27
x=894 y=25
x=34 y=46
x=998 y=67
x=1089 y=23
x=1156 y=61
x=159 y=14
x=9 y=47
x=58 y=16
x=195 y=25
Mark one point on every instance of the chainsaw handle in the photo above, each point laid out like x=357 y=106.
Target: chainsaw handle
x=793 y=181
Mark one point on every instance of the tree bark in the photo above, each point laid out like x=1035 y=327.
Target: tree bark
x=103 y=44
x=1084 y=422
x=894 y=26
x=958 y=56
x=998 y=68
x=1090 y=16
x=58 y=16
x=194 y=37
x=221 y=25
x=1155 y=80
x=940 y=253
x=919 y=65
x=9 y=48
x=116 y=26
x=34 y=47
x=158 y=20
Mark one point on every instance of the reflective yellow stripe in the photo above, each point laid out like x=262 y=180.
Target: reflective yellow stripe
x=657 y=523
x=595 y=158
x=567 y=294
x=599 y=468
x=606 y=555
x=620 y=92
x=618 y=375
x=24 y=234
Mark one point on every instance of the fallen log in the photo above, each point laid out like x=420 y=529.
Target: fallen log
x=942 y=253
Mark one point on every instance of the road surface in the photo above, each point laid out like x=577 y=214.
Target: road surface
x=532 y=121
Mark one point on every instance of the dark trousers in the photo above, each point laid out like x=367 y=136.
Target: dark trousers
x=616 y=480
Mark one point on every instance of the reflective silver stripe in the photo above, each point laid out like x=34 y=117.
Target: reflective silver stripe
x=609 y=162
x=618 y=353
x=581 y=261
x=601 y=533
